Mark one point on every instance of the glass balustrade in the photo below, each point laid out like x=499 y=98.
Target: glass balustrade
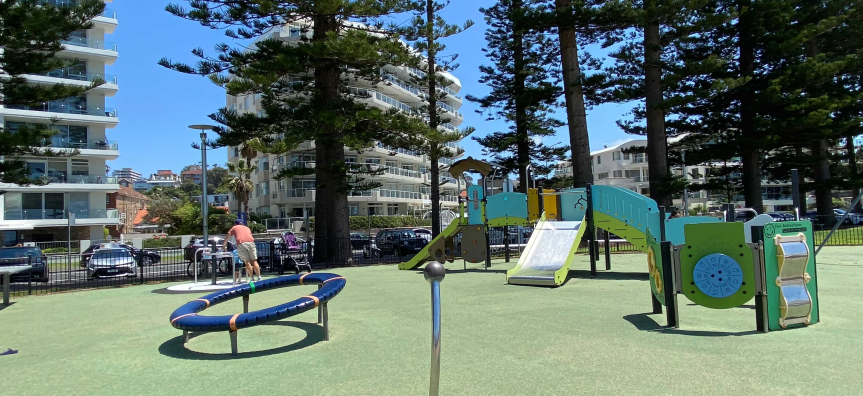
x=68 y=107
x=71 y=74
x=49 y=214
x=90 y=43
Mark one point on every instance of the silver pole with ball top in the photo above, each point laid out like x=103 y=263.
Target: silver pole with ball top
x=434 y=273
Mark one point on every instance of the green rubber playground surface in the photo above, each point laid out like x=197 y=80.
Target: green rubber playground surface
x=590 y=336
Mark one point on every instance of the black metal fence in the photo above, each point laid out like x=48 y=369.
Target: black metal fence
x=53 y=273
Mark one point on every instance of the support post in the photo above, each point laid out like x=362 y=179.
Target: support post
x=326 y=320
x=434 y=274
x=233 y=335
x=506 y=243
x=657 y=306
x=185 y=336
x=661 y=223
x=795 y=193
x=760 y=282
x=607 y=250
x=139 y=261
x=7 y=278
x=30 y=274
x=320 y=307
x=668 y=286
x=245 y=304
x=591 y=229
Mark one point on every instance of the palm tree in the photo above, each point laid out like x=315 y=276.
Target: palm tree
x=241 y=182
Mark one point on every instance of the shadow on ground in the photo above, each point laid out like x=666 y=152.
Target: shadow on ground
x=644 y=322
x=610 y=275
x=174 y=347
x=11 y=303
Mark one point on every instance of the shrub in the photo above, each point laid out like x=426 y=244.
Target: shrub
x=54 y=250
x=360 y=223
x=257 y=228
x=160 y=243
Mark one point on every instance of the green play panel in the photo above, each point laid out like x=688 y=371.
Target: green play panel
x=713 y=257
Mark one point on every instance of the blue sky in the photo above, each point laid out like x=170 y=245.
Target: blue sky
x=156 y=105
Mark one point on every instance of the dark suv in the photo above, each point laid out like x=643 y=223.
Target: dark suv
x=20 y=255
x=399 y=242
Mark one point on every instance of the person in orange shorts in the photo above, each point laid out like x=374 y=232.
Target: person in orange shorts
x=245 y=248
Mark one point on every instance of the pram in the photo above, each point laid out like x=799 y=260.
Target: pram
x=292 y=254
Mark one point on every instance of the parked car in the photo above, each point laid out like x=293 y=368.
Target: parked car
x=777 y=216
x=853 y=218
x=108 y=263
x=197 y=243
x=358 y=240
x=20 y=255
x=399 y=242
x=744 y=214
x=148 y=257
x=423 y=233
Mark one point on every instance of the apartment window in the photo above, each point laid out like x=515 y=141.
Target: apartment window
x=264 y=164
x=246 y=102
x=282 y=185
x=283 y=212
x=626 y=157
x=236 y=152
x=351 y=160
x=598 y=159
x=354 y=210
x=615 y=156
x=603 y=175
x=393 y=164
x=392 y=209
x=424 y=169
x=633 y=173
x=618 y=173
x=302 y=184
x=639 y=158
x=79 y=203
x=80 y=168
x=373 y=160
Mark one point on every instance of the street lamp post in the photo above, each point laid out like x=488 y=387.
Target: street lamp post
x=204 y=214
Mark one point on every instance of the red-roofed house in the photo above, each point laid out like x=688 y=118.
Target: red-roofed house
x=128 y=203
x=193 y=175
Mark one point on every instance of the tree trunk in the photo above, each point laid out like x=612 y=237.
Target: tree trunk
x=521 y=136
x=750 y=154
x=434 y=153
x=576 y=117
x=851 y=152
x=657 y=150
x=331 y=202
x=821 y=177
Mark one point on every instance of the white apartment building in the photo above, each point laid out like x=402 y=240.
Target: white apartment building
x=127 y=173
x=404 y=177
x=79 y=184
x=613 y=167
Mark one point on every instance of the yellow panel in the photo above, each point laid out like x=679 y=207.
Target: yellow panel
x=532 y=204
x=549 y=204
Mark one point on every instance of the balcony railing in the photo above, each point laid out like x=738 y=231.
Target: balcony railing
x=92 y=144
x=370 y=93
x=72 y=75
x=50 y=214
x=397 y=149
x=90 y=43
x=384 y=193
x=639 y=179
x=387 y=170
x=67 y=108
x=59 y=177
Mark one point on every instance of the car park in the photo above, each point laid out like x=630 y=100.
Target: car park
x=744 y=214
x=197 y=243
x=148 y=257
x=398 y=241
x=853 y=218
x=26 y=255
x=111 y=262
x=358 y=240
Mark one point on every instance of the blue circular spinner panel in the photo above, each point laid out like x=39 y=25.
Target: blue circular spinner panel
x=717 y=275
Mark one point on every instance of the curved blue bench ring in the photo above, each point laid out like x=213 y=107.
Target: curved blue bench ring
x=186 y=317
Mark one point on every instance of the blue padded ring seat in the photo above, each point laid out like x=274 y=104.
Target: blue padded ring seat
x=186 y=317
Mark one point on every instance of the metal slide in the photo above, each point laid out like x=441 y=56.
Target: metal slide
x=548 y=255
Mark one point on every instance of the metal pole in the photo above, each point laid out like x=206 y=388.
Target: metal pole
x=685 y=189
x=204 y=185
x=795 y=193
x=591 y=238
x=434 y=274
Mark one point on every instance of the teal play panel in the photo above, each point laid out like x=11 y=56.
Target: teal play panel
x=474 y=205
x=629 y=207
x=674 y=227
x=794 y=288
x=573 y=204
x=506 y=204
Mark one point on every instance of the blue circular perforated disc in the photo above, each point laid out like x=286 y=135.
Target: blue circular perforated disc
x=717 y=275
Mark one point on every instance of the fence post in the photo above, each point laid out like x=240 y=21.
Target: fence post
x=30 y=274
x=140 y=267
x=272 y=255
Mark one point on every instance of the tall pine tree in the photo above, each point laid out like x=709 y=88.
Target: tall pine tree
x=426 y=31
x=525 y=67
x=313 y=87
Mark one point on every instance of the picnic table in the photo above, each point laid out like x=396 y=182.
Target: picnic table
x=7 y=272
